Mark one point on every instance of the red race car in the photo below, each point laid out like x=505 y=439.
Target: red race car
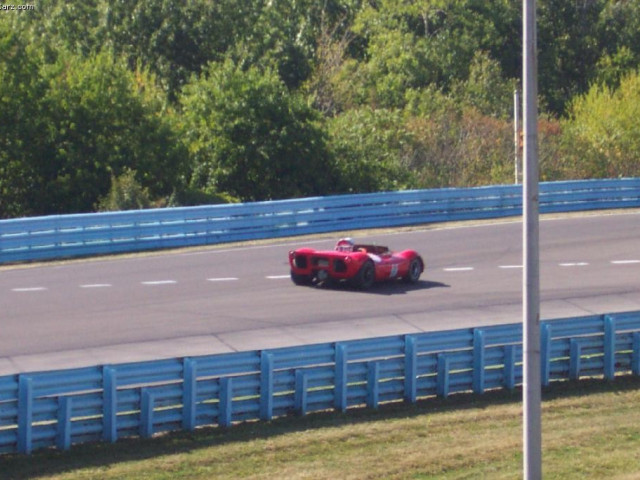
x=360 y=265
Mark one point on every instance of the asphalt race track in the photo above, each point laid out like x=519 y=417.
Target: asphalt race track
x=223 y=299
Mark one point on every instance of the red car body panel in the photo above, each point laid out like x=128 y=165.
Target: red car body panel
x=310 y=266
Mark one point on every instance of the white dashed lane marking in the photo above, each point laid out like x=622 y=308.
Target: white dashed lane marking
x=282 y=277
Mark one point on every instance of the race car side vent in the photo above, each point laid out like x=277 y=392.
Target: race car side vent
x=320 y=262
x=300 y=261
x=339 y=266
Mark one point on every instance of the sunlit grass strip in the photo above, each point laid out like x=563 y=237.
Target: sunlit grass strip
x=589 y=431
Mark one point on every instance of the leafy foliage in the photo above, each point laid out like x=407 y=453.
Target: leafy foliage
x=126 y=193
x=86 y=119
x=371 y=149
x=462 y=148
x=619 y=37
x=22 y=124
x=252 y=139
x=603 y=131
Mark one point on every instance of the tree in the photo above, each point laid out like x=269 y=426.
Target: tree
x=76 y=122
x=568 y=49
x=612 y=67
x=103 y=119
x=171 y=39
x=125 y=193
x=618 y=30
x=22 y=126
x=59 y=25
x=602 y=132
x=412 y=45
x=284 y=36
x=251 y=138
x=176 y=39
x=372 y=150
x=486 y=88
x=463 y=147
x=333 y=41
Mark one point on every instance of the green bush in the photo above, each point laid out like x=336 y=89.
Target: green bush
x=126 y=193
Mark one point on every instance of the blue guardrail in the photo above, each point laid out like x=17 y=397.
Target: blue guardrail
x=63 y=236
x=104 y=403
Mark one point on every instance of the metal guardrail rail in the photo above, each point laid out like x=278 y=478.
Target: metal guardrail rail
x=63 y=236
x=104 y=403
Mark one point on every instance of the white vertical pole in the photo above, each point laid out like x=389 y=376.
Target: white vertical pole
x=516 y=134
x=532 y=431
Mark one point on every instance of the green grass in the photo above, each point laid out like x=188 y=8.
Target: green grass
x=591 y=430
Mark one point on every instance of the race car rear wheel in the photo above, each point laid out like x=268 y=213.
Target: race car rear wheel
x=415 y=269
x=300 y=279
x=365 y=276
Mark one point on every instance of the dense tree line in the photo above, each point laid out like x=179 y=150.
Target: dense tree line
x=109 y=104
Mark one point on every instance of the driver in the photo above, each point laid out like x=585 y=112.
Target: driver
x=345 y=245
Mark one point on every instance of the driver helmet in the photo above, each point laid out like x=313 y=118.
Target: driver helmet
x=345 y=245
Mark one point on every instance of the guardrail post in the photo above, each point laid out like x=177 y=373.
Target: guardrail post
x=189 y=394
x=266 y=386
x=373 y=384
x=300 y=399
x=341 y=377
x=575 y=351
x=609 y=347
x=226 y=402
x=545 y=353
x=635 y=355
x=510 y=366
x=110 y=405
x=410 y=369
x=147 y=404
x=478 y=361
x=25 y=414
x=442 y=387
x=63 y=440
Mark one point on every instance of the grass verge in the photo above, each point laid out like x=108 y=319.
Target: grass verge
x=591 y=429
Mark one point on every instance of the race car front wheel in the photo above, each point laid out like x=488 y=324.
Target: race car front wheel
x=415 y=269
